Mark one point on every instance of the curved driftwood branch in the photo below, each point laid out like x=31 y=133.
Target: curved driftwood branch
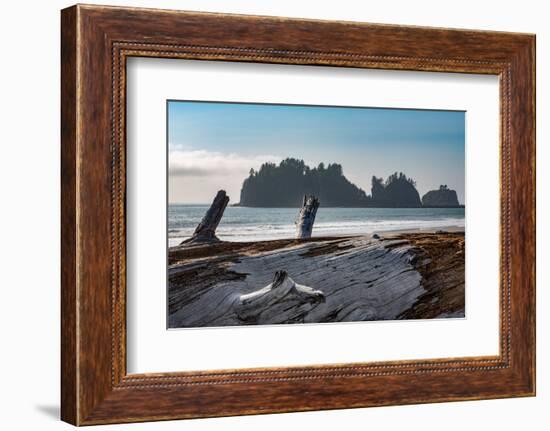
x=306 y=217
x=281 y=301
x=206 y=230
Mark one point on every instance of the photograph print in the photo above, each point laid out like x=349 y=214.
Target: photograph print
x=288 y=214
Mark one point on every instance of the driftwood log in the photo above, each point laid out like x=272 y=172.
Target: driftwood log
x=306 y=217
x=206 y=229
x=344 y=279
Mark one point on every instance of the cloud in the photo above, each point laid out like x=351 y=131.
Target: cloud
x=200 y=163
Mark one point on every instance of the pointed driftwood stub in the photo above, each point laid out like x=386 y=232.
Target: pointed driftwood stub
x=206 y=230
x=306 y=217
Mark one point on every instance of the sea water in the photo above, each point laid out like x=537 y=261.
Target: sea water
x=259 y=224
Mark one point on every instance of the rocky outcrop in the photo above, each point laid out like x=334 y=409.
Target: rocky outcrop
x=397 y=191
x=442 y=198
x=285 y=185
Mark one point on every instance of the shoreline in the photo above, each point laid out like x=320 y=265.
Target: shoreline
x=382 y=233
x=446 y=229
x=260 y=224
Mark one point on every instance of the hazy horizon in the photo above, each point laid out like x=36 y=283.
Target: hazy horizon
x=213 y=145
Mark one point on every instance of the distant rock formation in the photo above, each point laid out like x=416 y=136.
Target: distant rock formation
x=444 y=197
x=397 y=192
x=285 y=185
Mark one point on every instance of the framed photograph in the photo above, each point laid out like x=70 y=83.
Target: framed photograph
x=264 y=215
x=386 y=255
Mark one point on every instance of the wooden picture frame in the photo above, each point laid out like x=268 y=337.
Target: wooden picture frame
x=95 y=43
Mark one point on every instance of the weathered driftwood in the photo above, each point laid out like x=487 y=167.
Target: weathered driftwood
x=206 y=229
x=359 y=278
x=306 y=217
x=271 y=303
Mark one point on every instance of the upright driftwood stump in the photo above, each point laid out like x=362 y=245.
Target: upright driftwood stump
x=306 y=217
x=206 y=230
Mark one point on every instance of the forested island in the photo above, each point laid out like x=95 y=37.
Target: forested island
x=285 y=185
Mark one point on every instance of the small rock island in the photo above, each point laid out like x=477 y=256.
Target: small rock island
x=442 y=198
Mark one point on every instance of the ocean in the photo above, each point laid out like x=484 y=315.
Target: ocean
x=260 y=224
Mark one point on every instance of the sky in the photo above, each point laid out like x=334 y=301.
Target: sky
x=214 y=145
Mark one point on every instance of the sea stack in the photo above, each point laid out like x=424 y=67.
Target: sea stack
x=444 y=197
x=398 y=191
